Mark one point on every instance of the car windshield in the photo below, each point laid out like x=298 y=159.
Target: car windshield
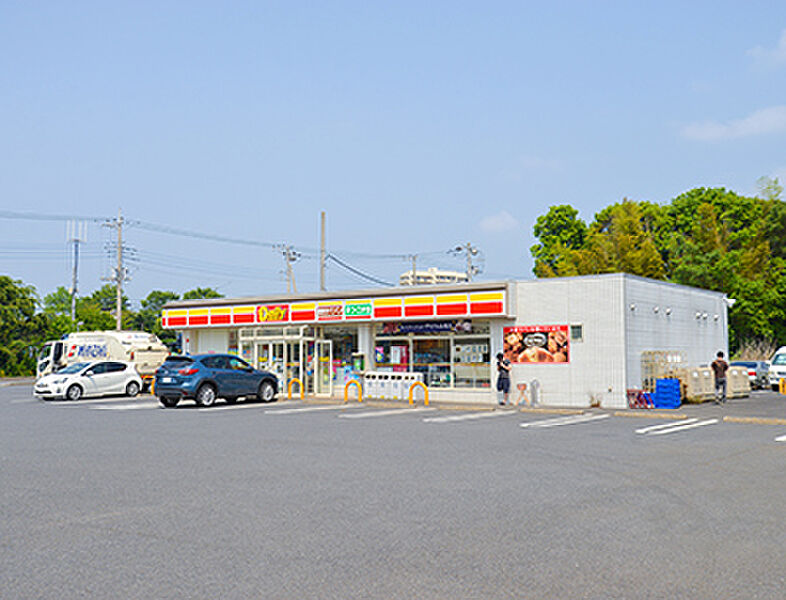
x=780 y=359
x=74 y=368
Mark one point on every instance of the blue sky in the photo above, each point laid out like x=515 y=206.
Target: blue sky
x=415 y=126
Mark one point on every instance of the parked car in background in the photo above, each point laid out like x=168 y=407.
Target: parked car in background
x=206 y=377
x=777 y=366
x=758 y=372
x=89 y=379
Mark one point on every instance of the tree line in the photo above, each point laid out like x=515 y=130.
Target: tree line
x=26 y=321
x=710 y=238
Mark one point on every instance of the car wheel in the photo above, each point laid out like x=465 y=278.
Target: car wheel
x=132 y=389
x=206 y=395
x=74 y=393
x=266 y=392
x=168 y=402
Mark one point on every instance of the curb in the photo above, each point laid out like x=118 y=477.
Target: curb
x=650 y=415
x=22 y=381
x=755 y=420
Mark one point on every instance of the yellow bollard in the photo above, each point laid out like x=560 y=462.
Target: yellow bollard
x=346 y=390
x=412 y=392
x=289 y=388
x=782 y=386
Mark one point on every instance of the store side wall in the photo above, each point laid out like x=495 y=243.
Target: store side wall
x=662 y=317
x=595 y=373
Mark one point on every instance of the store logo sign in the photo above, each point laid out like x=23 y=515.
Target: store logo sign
x=331 y=312
x=358 y=310
x=272 y=313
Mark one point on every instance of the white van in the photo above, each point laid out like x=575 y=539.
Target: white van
x=778 y=367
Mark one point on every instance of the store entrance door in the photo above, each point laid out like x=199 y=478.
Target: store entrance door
x=271 y=356
x=323 y=368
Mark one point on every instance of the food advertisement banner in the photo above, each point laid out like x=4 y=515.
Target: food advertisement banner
x=536 y=344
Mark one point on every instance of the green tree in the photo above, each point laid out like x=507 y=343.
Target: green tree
x=148 y=318
x=106 y=298
x=199 y=293
x=21 y=330
x=58 y=302
x=560 y=232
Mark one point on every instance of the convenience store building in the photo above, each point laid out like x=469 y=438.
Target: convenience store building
x=578 y=340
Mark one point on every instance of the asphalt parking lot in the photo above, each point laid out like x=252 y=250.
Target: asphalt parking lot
x=121 y=498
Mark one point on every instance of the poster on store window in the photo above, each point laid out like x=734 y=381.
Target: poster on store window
x=536 y=344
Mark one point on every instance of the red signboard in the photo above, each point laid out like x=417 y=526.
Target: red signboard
x=536 y=344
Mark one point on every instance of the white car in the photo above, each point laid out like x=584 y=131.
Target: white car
x=82 y=380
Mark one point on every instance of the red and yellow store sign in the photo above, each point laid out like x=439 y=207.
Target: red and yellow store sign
x=490 y=303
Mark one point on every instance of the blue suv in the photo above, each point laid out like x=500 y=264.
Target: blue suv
x=205 y=377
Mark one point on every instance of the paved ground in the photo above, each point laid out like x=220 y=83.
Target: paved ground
x=120 y=498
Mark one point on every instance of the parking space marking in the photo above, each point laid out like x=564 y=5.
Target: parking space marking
x=220 y=407
x=87 y=402
x=664 y=426
x=781 y=438
x=387 y=413
x=128 y=406
x=293 y=411
x=469 y=417
x=559 y=421
x=682 y=427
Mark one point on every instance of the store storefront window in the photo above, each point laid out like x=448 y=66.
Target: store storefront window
x=447 y=353
x=471 y=358
x=344 y=343
x=392 y=355
x=432 y=358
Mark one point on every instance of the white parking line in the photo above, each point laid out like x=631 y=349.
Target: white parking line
x=665 y=425
x=559 y=421
x=678 y=427
x=781 y=438
x=386 y=413
x=220 y=407
x=90 y=401
x=469 y=417
x=292 y=411
x=135 y=406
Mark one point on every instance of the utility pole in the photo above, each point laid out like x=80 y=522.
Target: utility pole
x=470 y=251
x=414 y=258
x=322 y=254
x=77 y=233
x=290 y=256
x=120 y=274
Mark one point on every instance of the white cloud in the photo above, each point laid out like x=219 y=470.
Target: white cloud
x=764 y=121
x=502 y=221
x=775 y=56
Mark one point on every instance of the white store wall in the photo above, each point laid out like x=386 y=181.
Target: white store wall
x=596 y=368
x=669 y=317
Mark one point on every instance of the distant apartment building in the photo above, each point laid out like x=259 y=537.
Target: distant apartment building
x=432 y=276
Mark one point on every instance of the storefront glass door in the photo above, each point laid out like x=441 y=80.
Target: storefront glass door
x=323 y=369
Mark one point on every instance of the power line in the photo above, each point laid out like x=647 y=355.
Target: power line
x=357 y=272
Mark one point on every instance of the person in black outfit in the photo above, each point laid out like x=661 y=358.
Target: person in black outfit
x=719 y=368
x=503 y=378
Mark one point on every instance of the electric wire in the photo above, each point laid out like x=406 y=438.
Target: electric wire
x=357 y=272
